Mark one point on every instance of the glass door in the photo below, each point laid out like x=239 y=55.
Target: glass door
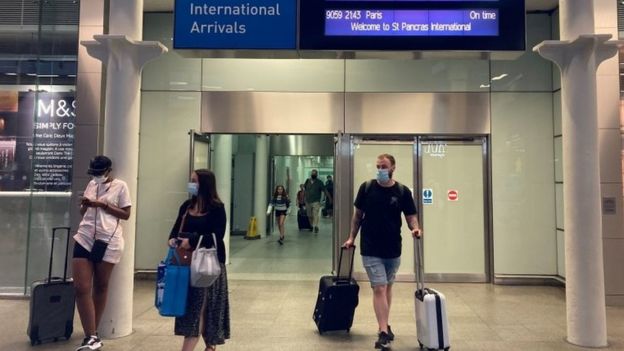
x=365 y=152
x=199 y=151
x=454 y=216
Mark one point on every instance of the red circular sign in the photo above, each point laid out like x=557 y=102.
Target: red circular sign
x=452 y=195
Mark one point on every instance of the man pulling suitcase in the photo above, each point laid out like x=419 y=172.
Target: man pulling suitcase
x=378 y=207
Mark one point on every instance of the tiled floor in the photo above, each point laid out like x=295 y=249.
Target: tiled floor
x=272 y=295
x=276 y=315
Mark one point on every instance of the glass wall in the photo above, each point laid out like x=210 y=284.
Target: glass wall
x=38 y=50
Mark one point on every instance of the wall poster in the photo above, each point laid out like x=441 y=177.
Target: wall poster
x=36 y=140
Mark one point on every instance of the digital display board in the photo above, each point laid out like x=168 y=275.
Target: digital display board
x=474 y=22
x=412 y=25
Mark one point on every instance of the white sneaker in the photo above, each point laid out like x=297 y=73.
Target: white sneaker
x=91 y=343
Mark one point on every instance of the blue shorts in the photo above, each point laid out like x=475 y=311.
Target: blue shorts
x=381 y=271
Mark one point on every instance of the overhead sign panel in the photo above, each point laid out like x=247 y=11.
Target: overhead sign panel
x=373 y=22
x=235 y=24
x=412 y=25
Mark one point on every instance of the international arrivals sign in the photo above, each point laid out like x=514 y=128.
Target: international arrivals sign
x=350 y=25
x=235 y=24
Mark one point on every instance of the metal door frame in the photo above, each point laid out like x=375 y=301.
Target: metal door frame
x=487 y=276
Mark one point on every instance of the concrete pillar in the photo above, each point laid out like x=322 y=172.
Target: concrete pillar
x=222 y=162
x=124 y=58
x=578 y=56
x=261 y=178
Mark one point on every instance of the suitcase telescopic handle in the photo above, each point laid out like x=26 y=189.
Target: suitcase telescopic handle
x=54 y=230
x=351 y=251
x=420 y=264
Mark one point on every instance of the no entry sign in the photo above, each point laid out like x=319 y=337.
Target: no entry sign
x=452 y=195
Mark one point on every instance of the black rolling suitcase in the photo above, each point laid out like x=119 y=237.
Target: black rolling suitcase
x=337 y=297
x=52 y=303
x=303 y=221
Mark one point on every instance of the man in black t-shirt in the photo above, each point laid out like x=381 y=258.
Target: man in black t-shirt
x=378 y=208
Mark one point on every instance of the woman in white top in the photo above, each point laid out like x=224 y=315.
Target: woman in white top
x=105 y=202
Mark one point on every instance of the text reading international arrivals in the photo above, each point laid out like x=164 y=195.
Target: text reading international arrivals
x=228 y=10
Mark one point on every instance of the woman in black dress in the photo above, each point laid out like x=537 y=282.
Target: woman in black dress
x=206 y=308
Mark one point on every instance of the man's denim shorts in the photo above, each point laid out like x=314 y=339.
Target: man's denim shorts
x=381 y=271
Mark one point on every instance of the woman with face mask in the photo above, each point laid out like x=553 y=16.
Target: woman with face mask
x=206 y=308
x=99 y=244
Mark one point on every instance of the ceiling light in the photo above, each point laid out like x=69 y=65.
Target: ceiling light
x=500 y=77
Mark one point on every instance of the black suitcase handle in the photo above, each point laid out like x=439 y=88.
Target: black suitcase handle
x=339 y=276
x=68 y=229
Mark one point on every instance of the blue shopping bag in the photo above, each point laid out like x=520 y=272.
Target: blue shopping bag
x=172 y=286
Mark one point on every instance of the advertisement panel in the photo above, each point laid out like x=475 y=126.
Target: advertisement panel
x=36 y=141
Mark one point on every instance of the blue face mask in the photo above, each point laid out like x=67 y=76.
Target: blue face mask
x=192 y=188
x=383 y=175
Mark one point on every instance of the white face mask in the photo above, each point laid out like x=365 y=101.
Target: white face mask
x=100 y=179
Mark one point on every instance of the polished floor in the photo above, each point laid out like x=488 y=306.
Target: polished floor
x=305 y=255
x=272 y=295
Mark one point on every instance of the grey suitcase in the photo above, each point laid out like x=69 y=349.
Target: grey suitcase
x=52 y=303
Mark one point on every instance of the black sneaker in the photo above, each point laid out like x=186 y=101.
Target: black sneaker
x=281 y=241
x=390 y=334
x=91 y=343
x=383 y=341
x=316 y=229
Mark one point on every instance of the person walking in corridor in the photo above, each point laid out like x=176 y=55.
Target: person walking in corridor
x=99 y=245
x=378 y=207
x=207 y=309
x=280 y=204
x=314 y=189
x=329 y=206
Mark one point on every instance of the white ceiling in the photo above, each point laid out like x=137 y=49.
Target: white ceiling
x=167 y=5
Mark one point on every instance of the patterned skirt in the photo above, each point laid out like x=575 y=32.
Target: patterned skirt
x=214 y=303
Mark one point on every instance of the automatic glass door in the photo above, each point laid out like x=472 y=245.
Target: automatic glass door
x=454 y=213
x=199 y=151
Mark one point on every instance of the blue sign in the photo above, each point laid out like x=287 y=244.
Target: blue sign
x=235 y=24
x=427 y=196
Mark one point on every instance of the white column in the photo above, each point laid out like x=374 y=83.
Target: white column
x=223 y=172
x=578 y=56
x=124 y=58
x=261 y=173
